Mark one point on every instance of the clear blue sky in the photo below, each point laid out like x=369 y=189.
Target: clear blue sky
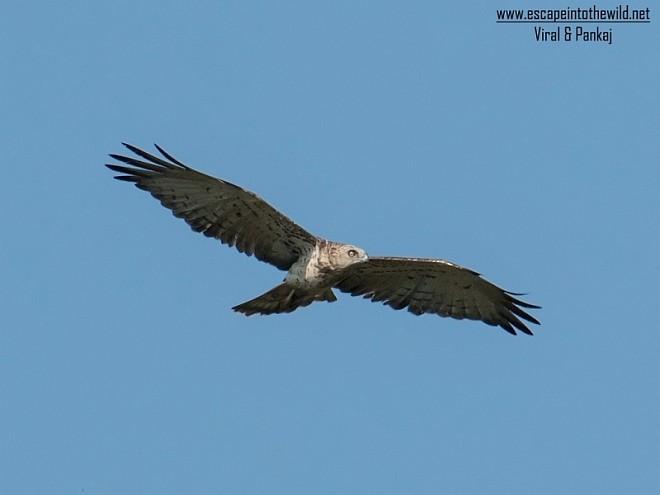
x=406 y=128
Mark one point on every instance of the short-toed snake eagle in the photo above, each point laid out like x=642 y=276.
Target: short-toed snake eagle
x=315 y=266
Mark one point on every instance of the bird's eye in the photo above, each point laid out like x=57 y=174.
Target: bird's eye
x=352 y=253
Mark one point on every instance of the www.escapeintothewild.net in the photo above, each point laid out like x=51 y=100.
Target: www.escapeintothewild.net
x=575 y=24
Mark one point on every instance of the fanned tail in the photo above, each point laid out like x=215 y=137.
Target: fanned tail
x=283 y=299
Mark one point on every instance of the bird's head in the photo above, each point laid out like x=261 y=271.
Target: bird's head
x=345 y=255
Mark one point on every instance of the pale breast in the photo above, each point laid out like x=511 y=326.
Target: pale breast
x=306 y=272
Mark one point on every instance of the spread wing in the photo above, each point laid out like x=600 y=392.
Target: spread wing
x=436 y=286
x=217 y=208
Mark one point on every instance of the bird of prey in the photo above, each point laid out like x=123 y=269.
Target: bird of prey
x=314 y=265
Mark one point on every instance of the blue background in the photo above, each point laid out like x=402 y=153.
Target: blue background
x=406 y=128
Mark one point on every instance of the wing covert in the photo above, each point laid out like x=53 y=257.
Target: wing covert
x=217 y=208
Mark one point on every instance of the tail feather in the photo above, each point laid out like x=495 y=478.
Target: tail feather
x=283 y=299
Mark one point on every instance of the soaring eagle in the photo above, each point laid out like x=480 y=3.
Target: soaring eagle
x=314 y=265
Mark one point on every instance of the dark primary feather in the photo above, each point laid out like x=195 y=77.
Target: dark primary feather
x=436 y=286
x=217 y=208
